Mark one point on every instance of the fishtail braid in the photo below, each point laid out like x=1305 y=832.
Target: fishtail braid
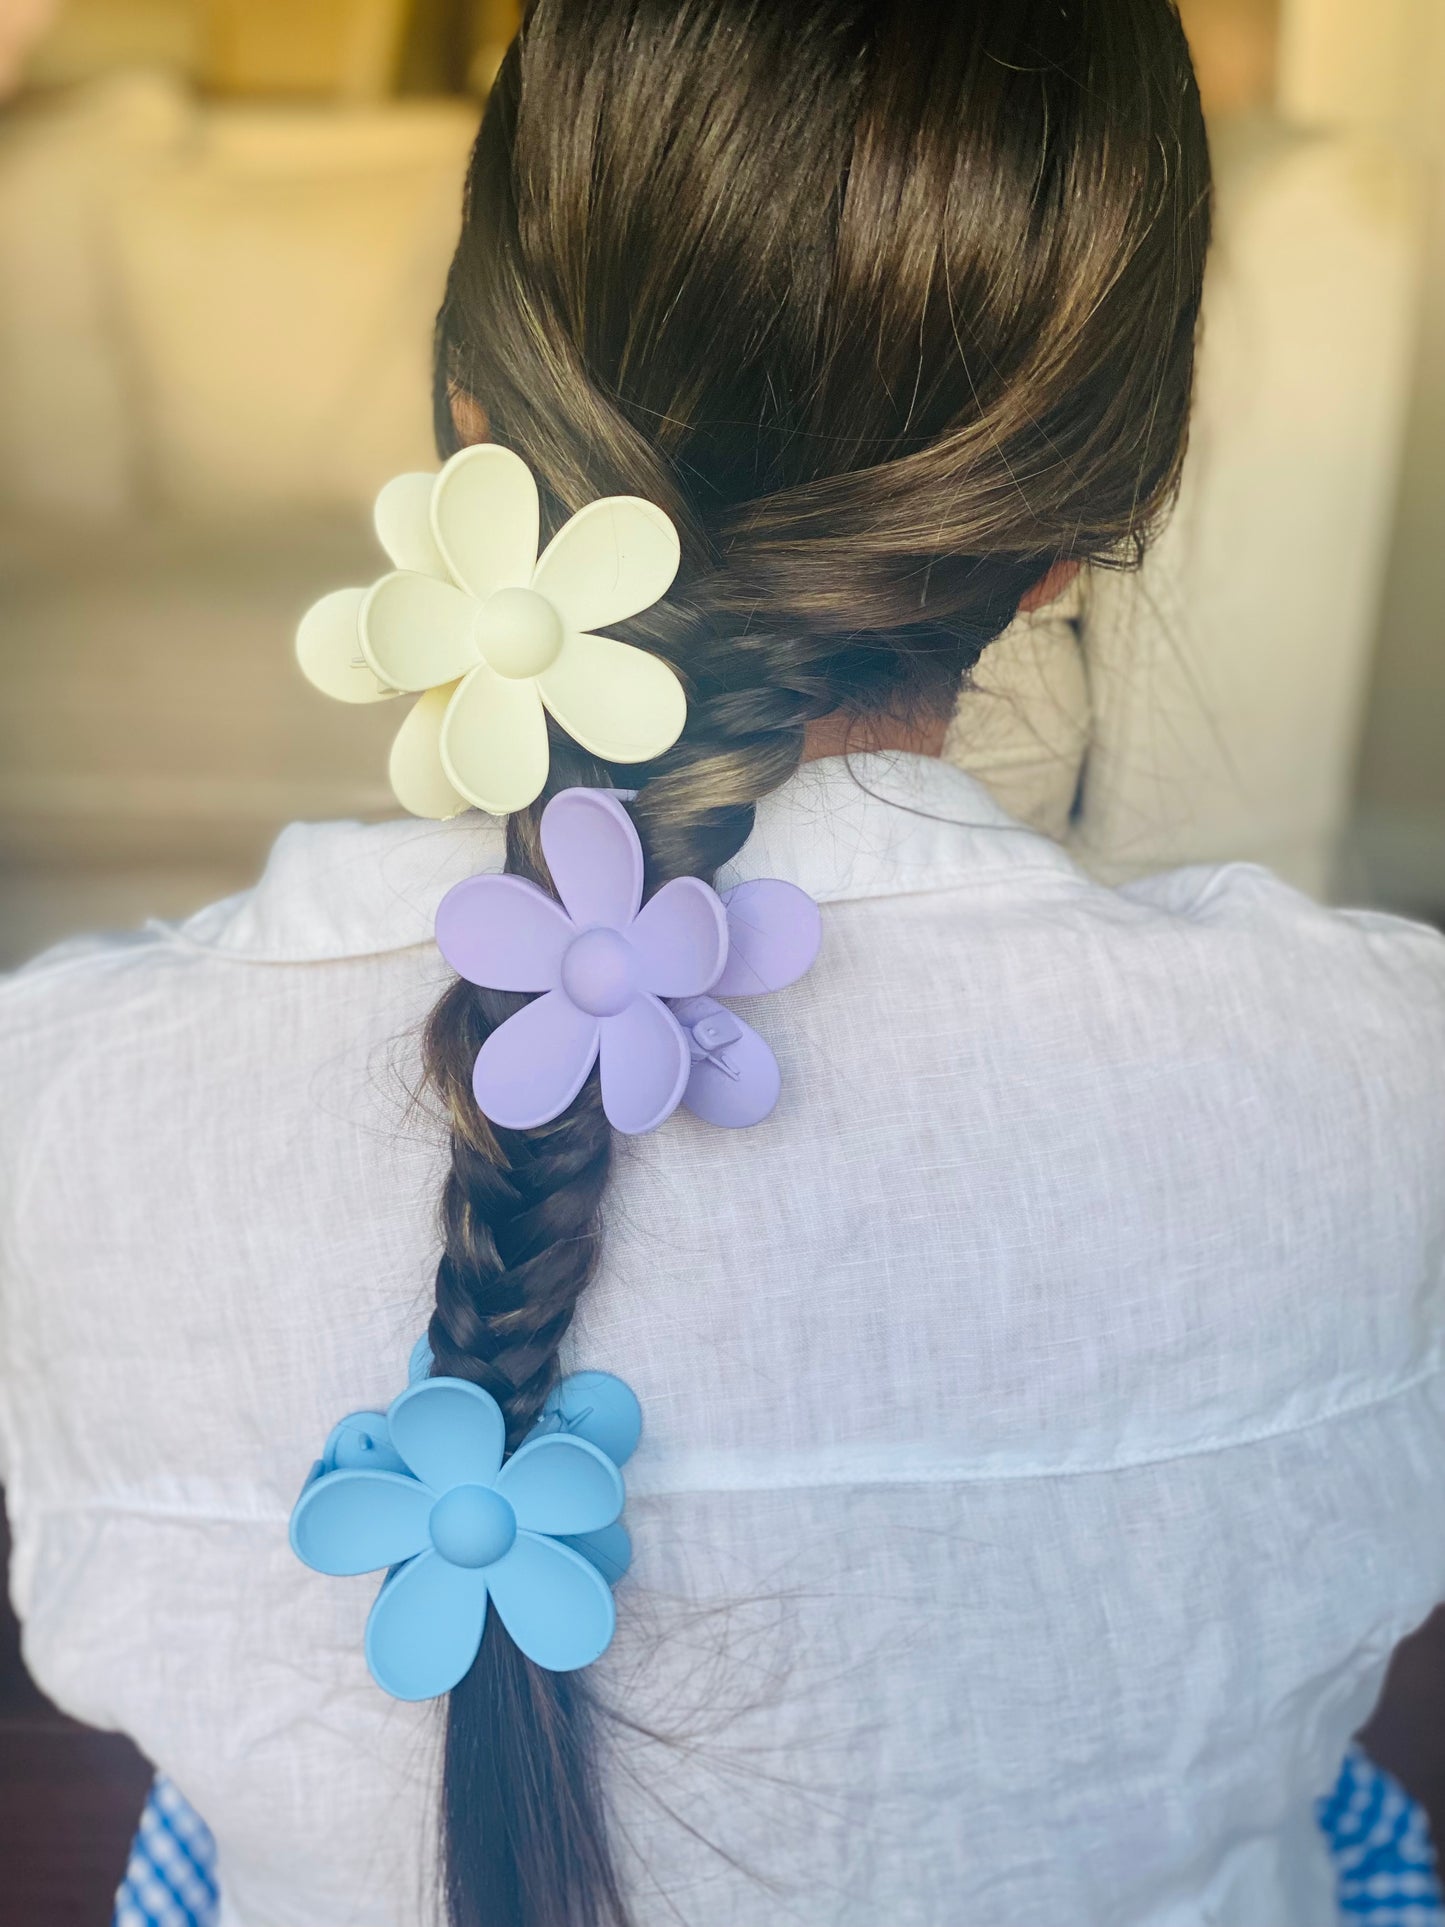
x=891 y=310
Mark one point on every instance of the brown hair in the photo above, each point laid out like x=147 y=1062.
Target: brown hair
x=892 y=308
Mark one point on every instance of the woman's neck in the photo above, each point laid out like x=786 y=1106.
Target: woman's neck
x=839 y=735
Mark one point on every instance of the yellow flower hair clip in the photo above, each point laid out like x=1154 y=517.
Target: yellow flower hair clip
x=492 y=635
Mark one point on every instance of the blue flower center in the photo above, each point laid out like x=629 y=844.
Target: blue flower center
x=597 y=972
x=472 y=1525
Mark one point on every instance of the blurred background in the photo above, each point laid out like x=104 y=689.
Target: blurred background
x=223 y=230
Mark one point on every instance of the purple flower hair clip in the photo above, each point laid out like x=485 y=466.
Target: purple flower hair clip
x=632 y=983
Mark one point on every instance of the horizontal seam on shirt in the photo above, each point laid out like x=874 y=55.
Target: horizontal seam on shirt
x=953 y=1475
x=644 y=1488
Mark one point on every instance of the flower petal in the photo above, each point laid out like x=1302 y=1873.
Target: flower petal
x=494 y=742
x=555 y=1604
x=328 y=648
x=415 y=768
x=403 y=523
x=503 y=932
x=360 y=1442
x=746 y=1090
x=416 y=632
x=348 y=1522
x=680 y=938
x=449 y=1432
x=644 y=1065
x=594 y=856
x=532 y=1066
x=559 y=1483
x=616 y=701
x=484 y=516
x=426 y=1627
x=599 y=1408
x=613 y=559
x=610 y=1550
x=774 y=930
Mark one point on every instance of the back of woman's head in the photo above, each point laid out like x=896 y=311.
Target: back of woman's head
x=892 y=308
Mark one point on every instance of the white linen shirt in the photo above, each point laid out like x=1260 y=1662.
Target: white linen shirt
x=1044 y=1421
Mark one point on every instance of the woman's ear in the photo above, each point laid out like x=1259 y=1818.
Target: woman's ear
x=1050 y=588
x=469 y=418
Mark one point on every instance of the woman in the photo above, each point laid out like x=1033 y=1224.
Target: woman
x=1042 y=1415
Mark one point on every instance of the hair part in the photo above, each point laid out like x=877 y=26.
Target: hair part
x=891 y=309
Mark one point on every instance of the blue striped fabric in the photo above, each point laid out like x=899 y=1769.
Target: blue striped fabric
x=1375 y=1831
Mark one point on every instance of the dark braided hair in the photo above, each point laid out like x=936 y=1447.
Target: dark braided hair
x=892 y=309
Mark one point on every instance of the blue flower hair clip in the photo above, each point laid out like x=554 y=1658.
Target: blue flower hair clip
x=425 y=1490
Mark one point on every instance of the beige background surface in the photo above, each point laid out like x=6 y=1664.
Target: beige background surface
x=223 y=225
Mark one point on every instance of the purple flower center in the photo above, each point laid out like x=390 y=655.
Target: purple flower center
x=597 y=972
x=472 y=1526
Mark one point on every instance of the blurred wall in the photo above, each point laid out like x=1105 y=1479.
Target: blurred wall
x=1392 y=77
x=215 y=312
x=338 y=49
x=1376 y=68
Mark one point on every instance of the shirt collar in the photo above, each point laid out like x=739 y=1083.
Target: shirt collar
x=882 y=824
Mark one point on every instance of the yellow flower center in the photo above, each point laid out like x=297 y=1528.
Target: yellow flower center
x=518 y=632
